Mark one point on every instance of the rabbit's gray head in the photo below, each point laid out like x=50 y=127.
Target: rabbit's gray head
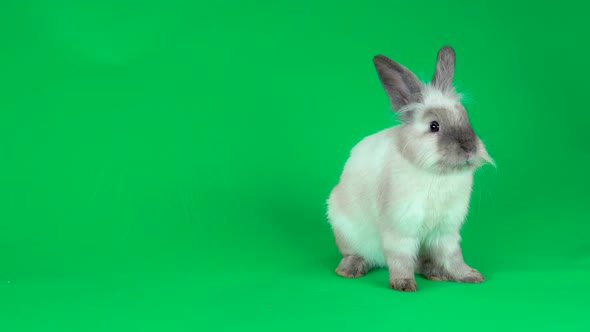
x=436 y=133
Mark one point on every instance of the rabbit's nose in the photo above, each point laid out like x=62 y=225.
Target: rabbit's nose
x=467 y=148
x=467 y=145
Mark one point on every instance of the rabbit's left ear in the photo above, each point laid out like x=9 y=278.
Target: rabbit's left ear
x=445 y=69
x=400 y=84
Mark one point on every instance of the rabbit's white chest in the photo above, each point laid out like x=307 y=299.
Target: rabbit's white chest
x=419 y=206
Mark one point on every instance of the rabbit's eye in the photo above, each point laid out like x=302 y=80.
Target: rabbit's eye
x=434 y=127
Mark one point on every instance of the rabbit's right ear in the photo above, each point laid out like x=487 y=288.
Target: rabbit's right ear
x=445 y=69
x=401 y=85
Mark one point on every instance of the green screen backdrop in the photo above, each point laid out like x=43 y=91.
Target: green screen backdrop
x=164 y=165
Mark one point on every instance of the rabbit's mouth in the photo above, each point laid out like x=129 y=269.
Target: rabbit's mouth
x=449 y=166
x=470 y=162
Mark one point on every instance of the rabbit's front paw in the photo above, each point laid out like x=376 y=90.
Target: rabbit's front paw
x=404 y=285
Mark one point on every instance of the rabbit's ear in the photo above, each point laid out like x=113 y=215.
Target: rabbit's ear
x=401 y=85
x=445 y=69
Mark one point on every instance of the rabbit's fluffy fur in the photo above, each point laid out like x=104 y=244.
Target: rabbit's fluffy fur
x=404 y=192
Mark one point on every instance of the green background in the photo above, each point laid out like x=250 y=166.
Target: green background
x=164 y=165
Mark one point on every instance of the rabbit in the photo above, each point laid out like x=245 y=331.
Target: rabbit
x=404 y=192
